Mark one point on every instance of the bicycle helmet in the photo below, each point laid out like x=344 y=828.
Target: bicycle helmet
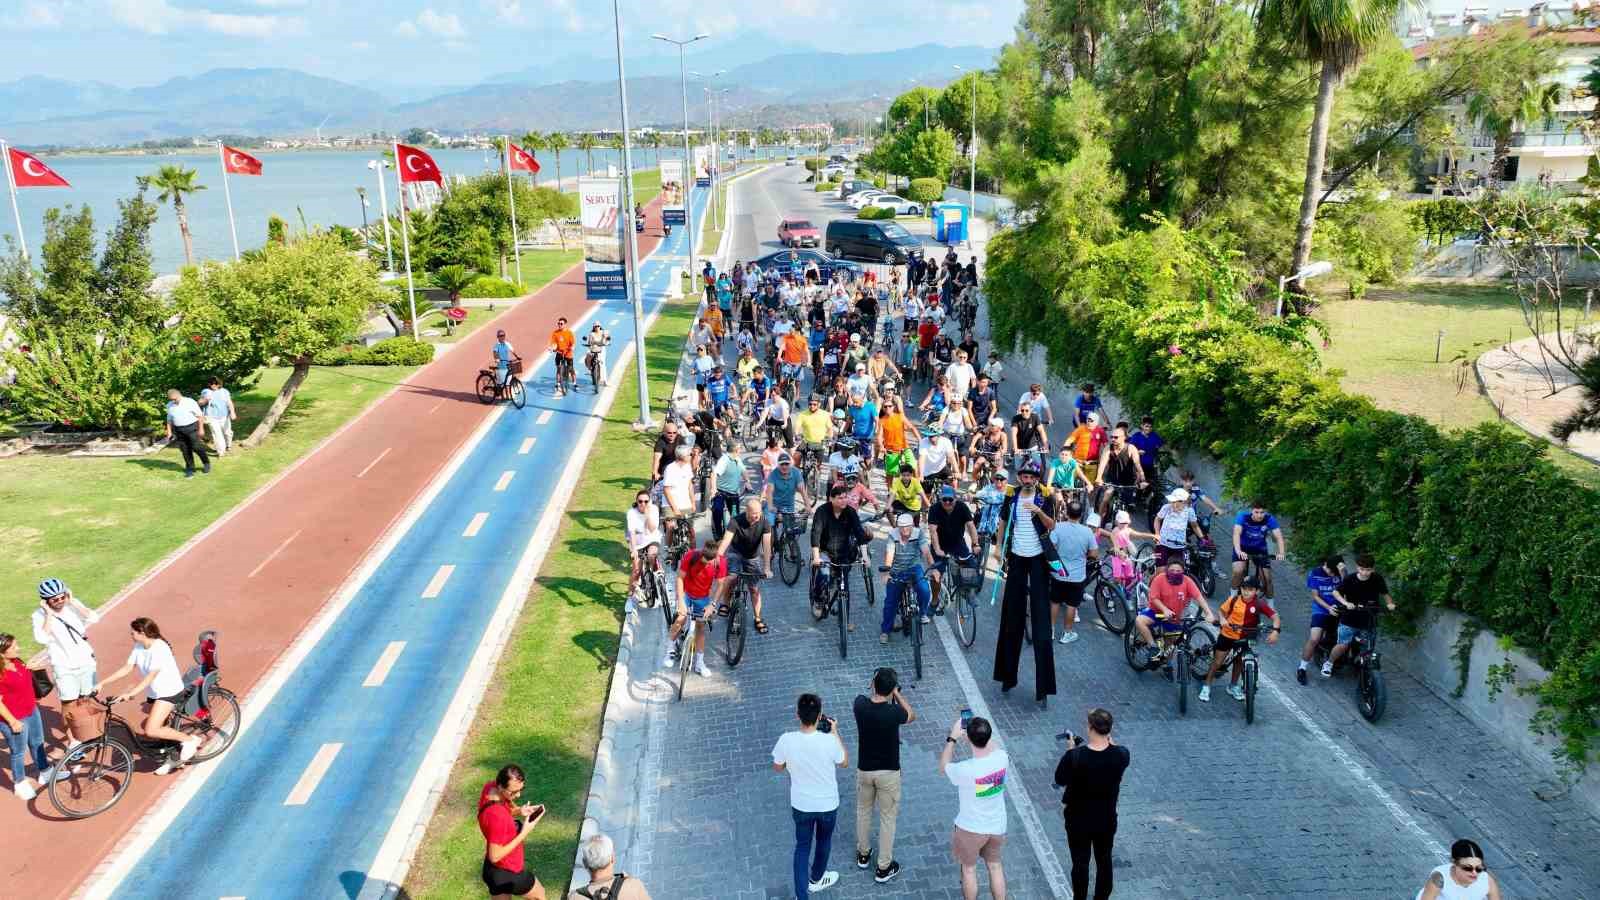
x=1029 y=466
x=51 y=587
x=846 y=444
x=838 y=414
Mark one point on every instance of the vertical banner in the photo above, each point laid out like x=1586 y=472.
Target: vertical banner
x=672 y=192
x=603 y=275
x=702 y=165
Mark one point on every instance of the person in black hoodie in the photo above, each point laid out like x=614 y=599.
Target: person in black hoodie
x=1090 y=776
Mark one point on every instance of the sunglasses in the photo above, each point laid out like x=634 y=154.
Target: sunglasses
x=1476 y=870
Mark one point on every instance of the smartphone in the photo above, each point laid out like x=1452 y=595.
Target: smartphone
x=536 y=813
x=966 y=717
x=825 y=725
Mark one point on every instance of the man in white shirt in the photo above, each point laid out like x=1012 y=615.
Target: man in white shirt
x=183 y=427
x=936 y=455
x=677 y=486
x=60 y=625
x=643 y=530
x=980 y=782
x=812 y=756
x=961 y=375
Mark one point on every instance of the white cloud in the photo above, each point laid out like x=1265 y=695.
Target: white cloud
x=445 y=25
x=508 y=11
x=161 y=17
x=405 y=29
x=361 y=46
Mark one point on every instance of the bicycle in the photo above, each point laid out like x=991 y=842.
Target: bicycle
x=1259 y=567
x=1115 y=602
x=685 y=647
x=836 y=601
x=653 y=581
x=682 y=538
x=489 y=390
x=739 y=613
x=1243 y=649
x=963 y=595
x=786 y=546
x=564 y=373
x=591 y=361
x=910 y=616
x=1372 y=691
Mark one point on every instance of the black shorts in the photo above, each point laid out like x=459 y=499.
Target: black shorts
x=500 y=881
x=1069 y=593
x=1225 y=643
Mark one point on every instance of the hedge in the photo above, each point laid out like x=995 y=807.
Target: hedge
x=396 y=351
x=1478 y=521
x=875 y=212
x=827 y=186
x=489 y=286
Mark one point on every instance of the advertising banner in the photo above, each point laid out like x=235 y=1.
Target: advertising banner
x=599 y=211
x=672 y=192
x=702 y=165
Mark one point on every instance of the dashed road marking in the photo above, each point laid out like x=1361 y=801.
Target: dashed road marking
x=435 y=407
x=320 y=764
x=436 y=583
x=505 y=479
x=475 y=525
x=374 y=462
x=544 y=417
x=527 y=444
x=273 y=555
x=380 y=670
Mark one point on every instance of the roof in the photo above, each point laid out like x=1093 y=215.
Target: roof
x=1577 y=37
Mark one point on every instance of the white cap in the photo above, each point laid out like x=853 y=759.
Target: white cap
x=1123 y=518
x=905 y=520
x=996 y=422
x=1177 y=494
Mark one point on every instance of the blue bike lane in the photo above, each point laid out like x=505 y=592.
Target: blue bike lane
x=300 y=805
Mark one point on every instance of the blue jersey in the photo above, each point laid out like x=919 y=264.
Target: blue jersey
x=1322 y=584
x=1147 y=445
x=862 y=420
x=760 y=386
x=502 y=352
x=719 y=387
x=1253 y=534
x=1086 y=406
x=783 y=489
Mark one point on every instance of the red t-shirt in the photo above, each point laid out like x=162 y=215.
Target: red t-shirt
x=498 y=823
x=16 y=689
x=926 y=332
x=1173 y=597
x=697 y=575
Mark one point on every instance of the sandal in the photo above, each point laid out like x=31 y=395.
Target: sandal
x=761 y=627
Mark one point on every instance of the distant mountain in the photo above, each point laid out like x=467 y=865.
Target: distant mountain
x=815 y=75
x=657 y=58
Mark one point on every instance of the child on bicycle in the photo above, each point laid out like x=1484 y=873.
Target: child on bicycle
x=1241 y=621
x=1122 y=535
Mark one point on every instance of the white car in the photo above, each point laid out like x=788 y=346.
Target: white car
x=791 y=161
x=833 y=171
x=900 y=205
x=862 y=198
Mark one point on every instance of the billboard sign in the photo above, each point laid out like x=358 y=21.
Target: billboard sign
x=672 y=209
x=600 y=212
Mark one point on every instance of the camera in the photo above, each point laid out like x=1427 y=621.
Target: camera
x=825 y=725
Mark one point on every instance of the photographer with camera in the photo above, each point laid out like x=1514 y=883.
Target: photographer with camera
x=812 y=755
x=1090 y=775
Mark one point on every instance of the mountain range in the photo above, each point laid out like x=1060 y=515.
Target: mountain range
x=792 y=86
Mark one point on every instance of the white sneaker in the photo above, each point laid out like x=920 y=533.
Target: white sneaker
x=1327 y=670
x=25 y=791
x=188 y=750
x=166 y=769
x=700 y=665
x=927 y=620
x=1236 y=692
x=828 y=879
x=1068 y=637
x=1205 y=692
x=671 y=659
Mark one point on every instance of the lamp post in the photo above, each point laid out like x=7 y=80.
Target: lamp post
x=711 y=138
x=361 y=194
x=378 y=165
x=972 y=154
x=1312 y=270
x=632 y=285
x=688 y=162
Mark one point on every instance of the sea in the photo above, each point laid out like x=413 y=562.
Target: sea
x=317 y=187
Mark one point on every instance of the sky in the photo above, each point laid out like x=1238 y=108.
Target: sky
x=130 y=43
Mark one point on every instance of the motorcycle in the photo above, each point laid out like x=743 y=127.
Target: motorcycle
x=666 y=229
x=1372 y=692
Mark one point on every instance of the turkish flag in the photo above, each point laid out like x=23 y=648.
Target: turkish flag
x=416 y=165
x=238 y=162
x=523 y=161
x=28 y=171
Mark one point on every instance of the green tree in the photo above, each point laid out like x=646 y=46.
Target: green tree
x=127 y=268
x=925 y=190
x=557 y=142
x=173 y=183
x=1499 y=112
x=587 y=142
x=914 y=108
x=417 y=136
x=453 y=280
x=926 y=154
x=954 y=107
x=278 y=230
x=1334 y=35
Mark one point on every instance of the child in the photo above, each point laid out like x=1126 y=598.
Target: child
x=1122 y=535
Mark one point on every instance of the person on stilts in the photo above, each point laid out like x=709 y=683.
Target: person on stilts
x=1028 y=556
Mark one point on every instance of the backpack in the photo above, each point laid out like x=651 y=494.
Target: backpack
x=606 y=893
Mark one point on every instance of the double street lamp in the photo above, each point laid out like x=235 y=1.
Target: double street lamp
x=688 y=162
x=972 y=153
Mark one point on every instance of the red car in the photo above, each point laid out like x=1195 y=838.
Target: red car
x=797 y=233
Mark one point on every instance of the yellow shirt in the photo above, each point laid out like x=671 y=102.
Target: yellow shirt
x=813 y=426
x=745 y=366
x=909 y=493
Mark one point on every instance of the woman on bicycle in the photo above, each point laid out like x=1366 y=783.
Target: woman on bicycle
x=934 y=404
x=161 y=683
x=988 y=449
x=20 y=720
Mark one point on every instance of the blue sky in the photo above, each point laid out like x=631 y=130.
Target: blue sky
x=137 y=42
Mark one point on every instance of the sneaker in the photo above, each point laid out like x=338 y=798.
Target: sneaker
x=188 y=750
x=863 y=859
x=25 y=791
x=1300 y=675
x=887 y=873
x=72 y=742
x=166 y=768
x=670 y=659
x=188 y=474
x=883 y=637
x=206 y=470
x=927 y=620
x=1327 y=669
x=1205 y=693
x=700 y=665
x=828 y=880
x=1236 y=692
x=1068 y=637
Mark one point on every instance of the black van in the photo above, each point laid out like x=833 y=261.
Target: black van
x=877 y=240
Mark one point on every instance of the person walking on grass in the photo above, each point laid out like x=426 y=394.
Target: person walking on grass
x=20 y=721
x=980 y=826
x=1090 y=776
x=599 y=856
x=878 y=720
x=503 y=834
x=811 y=756
x=220 y=415
x=183 y=427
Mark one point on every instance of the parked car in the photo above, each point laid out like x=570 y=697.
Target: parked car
x=862 y=198
x=830 y=172
x=900 y=205
x=798 y=233
x=852 y=185
x=796 y=259
x=791 y=160
x=879 y=241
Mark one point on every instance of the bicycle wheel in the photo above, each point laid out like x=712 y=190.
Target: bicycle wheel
x=663 y=599
x=966 y=615
x=916 y=641
x=1134 y=650
x=842 y=613
x=866 y=580
x=738 y=625
x=218 y=729
x=91 y=778
x=1200 y=644
x=519 y=394
x=1180 y=669
x=686 y=653
x=1372 y=695
x=1208 y=583
x=789 y=560
x=1144 y=557
x=594 y=376
x=485 y=387
x=1249 y=689
x=1110 y=603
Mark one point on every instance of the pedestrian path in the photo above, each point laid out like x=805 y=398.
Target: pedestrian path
x=1518 y=378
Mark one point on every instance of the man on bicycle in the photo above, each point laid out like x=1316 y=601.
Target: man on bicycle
x=784 y=485
x=595 y=344
x=836 y=537
x=678 y=488
x=1250 y=532
x=748 y=541
x=1171 y=592
x=642 y=534
x=562 y=341
x=987 y=451
x=955 y=533
x=1241 y=620
x=503 y=355
x=698 y=573
x=1321 y=582
x=907 y=560
x=1119 y=471
x=1358 y=596
x=793 y=354
x=719 y=389
x=814 y=426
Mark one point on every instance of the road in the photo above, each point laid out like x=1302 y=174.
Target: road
x=308 y=798
x=1310 y=800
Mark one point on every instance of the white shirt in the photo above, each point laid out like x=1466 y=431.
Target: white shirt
x=644 y=528
x=1175 y=525
x=981 y=790
x=182 y=411
x=962 y=376
x=157 y=658
x=812 y=761
x=1040 y=404
x=935 y=454
x=64 y=635
x=1024 y=533
x=677 y=479
x=859 y=385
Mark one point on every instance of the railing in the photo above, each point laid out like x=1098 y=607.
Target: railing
x=1566 y=138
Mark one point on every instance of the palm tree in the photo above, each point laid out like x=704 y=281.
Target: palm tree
x=557 y=142
x=587 y=142
x=533 y=142
x=1334 y=34
x=1526 y=102
x=453 y=279
x=175 y=182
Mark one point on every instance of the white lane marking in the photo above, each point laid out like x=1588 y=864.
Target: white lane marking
x=436 y=583
x=273 y=555
x=435 y=407
x=1043 y=850
x=505 y=479
x=544 y=417
x=374 y=462
x=475 y=525
x=1402 y=818
x=527 y=444
x=380 y=670
x=313 y=775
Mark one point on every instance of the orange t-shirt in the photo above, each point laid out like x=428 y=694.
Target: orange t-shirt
x=1086 y=443
x=563 y=341
x=893 y=429
x=795 y=349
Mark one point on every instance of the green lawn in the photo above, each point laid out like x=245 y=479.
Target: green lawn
x=544 y=708
x=99 y=523
x=540 y=267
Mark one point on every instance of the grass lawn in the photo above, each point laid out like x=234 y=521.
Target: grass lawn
x=711 y=237
x=477 y=317
x=540 y=267
x=99 y=523
x=545 y=702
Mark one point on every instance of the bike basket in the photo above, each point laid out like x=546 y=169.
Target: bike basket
x=85 y=720
x=515 y=368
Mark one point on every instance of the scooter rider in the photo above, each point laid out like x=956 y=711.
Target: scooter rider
x=1358 y=597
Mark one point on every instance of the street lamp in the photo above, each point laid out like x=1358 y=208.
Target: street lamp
x=632 y=285
x=361 y=194
x=711 y=137
x=972 y=153
x=688 y=163
x=378 y=165
x=1312 y=270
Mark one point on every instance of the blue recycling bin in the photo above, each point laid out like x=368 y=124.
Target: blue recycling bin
x=950 y=222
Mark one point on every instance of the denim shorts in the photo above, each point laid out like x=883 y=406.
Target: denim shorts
x=1348 y=634
x=1163 y=624
x=697 y=605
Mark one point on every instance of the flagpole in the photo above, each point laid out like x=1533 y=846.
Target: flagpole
x=405 y=243
x=511 y=200
x=227 y=195
x=11 y=182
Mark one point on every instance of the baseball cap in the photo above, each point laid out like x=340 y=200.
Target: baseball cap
x=947 y=493
x=1123 y=518
x=905 y=520
x=838 y=414
x=784 y=459
x=1177 y=494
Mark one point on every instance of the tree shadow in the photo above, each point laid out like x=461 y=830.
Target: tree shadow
x=601 y=647
x=1466 y=298
x=583 y=592
x=443 y=393
x=594 y=519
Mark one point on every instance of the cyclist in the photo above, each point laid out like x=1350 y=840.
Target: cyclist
x=748 y=540
x=955 y=533
x=1087 y=407
x=1149 y=445
x=1250 y=532
x=162 y=686
x=678 y=488
x=503 y=356
x=988 y=449
x=595 y=344
x=855 y=355
x=858 y=495
x=698 y=573
x=906 y=494
x=844 y=459
x=1241 y=620
x=937 y=459
x=957 y=421
x=1171 y=592
x=642 y=535
x=665 y=449
x=783 y=487
x=1065 y=475
x=893 y=437
x=863 y=414
x=1358 y=595
x=908 y=561
x=1199 y=499
x=836 y=536
x=774 y=415
x=1321 y=582
x=860 y=384
x=720 y=390
x=730 y=477
x=793 y=355
x=751 y=377
x=961 y=374
x=1119 y=471
x=1027 y=433
x=813 y=427
x=983 y=399
x=1087 y=439
x=990 y=497
x=1173 y=524
x=881 y=367
x=1036 y=399
x=561 y=344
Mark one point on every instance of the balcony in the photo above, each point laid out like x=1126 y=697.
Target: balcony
x=1554 y=143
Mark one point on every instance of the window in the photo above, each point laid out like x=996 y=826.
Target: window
x=895 y=230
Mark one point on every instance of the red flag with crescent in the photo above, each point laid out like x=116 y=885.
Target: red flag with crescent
x=523 y=161
x=28 y=171
x=238 y=162
x=416 y=165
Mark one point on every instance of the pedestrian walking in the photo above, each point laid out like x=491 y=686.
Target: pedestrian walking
x=1090 y=776
x=1075 y=545
x=811 y=755
x=505 y=825
x=60 y=625
x=183 y=426
x=879 y=716
x=1029 y=558
x=599 y=857
x=980 y=826
x=20 y=721
x=220 y=415
x=1464 y=877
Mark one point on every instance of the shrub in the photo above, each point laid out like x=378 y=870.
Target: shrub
x=396 y=351
x=925 y=190
x=875 y=212
x=827 y=186
x=490 y=286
